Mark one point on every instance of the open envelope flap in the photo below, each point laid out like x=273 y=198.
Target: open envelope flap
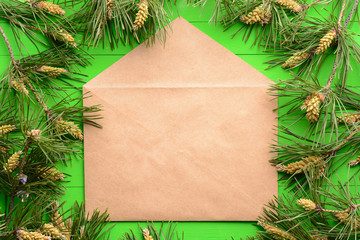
x=189 y=58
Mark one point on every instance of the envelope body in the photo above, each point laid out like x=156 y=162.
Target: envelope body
x=185 y=137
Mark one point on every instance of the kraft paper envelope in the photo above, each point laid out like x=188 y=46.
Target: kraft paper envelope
x=186 y=134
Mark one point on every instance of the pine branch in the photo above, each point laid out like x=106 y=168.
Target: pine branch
x=352 y=207
x=24 y=78
x=342 y=12
x=37 y=97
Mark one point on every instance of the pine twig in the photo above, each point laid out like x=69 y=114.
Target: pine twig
x=352 y=207
x=347 y=21
x=311 y=4
x=24 y=79
x=37 y=97
x=342 y=12
x=338 y=147
x=11 y=52
x=332 y=75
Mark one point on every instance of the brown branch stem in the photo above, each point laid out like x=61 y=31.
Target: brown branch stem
x=353 y=207
x=342 y=12
x=24 y=78
x=311 y=4
x=338 y=147
x=332 y=75
x=37 y=97
x=351 y=13
x=11 y=52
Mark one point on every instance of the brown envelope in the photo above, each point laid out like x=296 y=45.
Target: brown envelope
x=186 y=134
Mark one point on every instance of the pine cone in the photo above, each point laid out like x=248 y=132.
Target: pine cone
x=12 y=162
x=52 y=173
x=146 y=234
x=342 y=217
x=48 y=229
x=64 y=36
x=276 y=232
x=3 y=149
x=53 y=72
x=257 y=15
x=290 y=4
x=20 y=87
x=70 y=128
x=4 y=129
x=109 y=6
x=319 y=170
x=349 y=118
x=24 y=235
x=303 y=165
x=296 y=167
x=142 y=14
x=295 y=59
x=355 y=162
x=345 y=218
x=312 y=106
x=318 y=237
x=307 y=204
x=326 y=41
x=50 y=7
x=59 y=223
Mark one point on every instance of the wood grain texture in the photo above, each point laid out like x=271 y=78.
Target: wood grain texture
x=254 y=56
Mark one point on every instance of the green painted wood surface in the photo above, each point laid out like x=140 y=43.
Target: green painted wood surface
x=254 y=56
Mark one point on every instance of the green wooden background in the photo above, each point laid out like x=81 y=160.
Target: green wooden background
x=254 y=56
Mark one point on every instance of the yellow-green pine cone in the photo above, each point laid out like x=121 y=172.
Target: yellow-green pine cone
x=24 y=235
x=320 y=170
x=70 y=128
x=59 y=223
x=146 y=234
x=296 y=167
x=342 y=217
x=302 y=165
x=20 y=87
x=50 y=230
x=53 y=174
x=307 y=204
x=109 y=6
x=258 y=15
x=141 y=15
x=318 y=237
x=312 y=108
x=290 y=4
x=50 y=7
x=345 y=218
x=349 y=118
x=12 y=162
x=295 y=60
x=326 y=41
x=3 y=149
x=355 y=162
x=82 y=230
x=53 y=72
x=4 y=129
x=276 y=232
x=64 y=36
